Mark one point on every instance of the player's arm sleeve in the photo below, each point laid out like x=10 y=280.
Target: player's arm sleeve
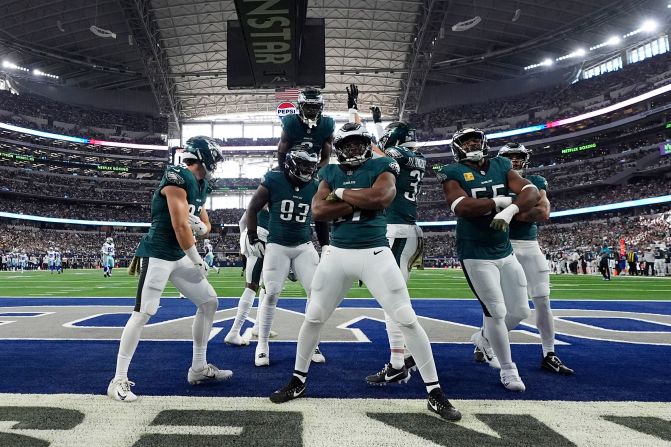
x=322 y=230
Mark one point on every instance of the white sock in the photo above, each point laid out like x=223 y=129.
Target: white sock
x=265 y=317
x=418 y=343
x=545 y=323
x=396 y=342
x=202 y=326
x=129 y=341
x=497 y=334
x=308 y=339
x=244 y=305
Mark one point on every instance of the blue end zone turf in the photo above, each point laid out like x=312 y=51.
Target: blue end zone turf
x=605 y=370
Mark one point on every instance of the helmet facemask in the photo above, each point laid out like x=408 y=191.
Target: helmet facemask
x=310 y=107
x=301 y=165
x=470 y=145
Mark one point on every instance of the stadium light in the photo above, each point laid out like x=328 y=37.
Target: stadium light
x=613 y=40
x=649 y=26
x=547 y=62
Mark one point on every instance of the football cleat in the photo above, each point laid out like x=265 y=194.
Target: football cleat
x=261 y=356
x=255 y=332
x=552 y=363
x=410 y=364
x=389 y=375
x=119 y=389
x=482 y=344
x=208 y=375
x=510 y=379
x=439 y=404
x=318 y=357
x=234 y=339
x=294 y=389
x=478 y=356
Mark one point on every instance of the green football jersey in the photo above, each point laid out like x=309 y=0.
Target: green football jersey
x=161 y=242
x=475 y=239
x=527 y=231
x=362 y=228
x=403 y=210
x=298 y=133
x=263 y=218
x=290 y=215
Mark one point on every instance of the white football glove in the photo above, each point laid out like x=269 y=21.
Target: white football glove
x=257 y=247
x=198 y=262
x=198 y=227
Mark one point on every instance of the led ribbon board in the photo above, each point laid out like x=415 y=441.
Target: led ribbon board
x=55 y=136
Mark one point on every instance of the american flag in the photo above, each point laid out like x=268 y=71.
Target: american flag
x=287 y=94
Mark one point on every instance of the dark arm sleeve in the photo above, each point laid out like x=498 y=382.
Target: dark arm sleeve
x=322 y=230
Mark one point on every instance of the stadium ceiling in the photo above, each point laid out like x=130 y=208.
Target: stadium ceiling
x=390 y=48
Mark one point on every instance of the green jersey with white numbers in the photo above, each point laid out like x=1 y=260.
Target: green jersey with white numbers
x=475 y=239
x=298 y=133
x=362 y=228
x=403 y=210
x=161 y=242
x=289 y=205
x=527 y=231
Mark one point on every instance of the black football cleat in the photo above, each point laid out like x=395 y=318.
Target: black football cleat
x=389 y=375
x=478 y=355
x=410 y=364
x=552 y=363
x=439 y=404
x=292 y=390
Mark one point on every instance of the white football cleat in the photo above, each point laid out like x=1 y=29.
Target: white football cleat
x=317 y=356
x=483 y=345
x=255 y=332
x=511 y=379
x=119 y=389
x=235 y=339
x=210 y=374
x=261 y=356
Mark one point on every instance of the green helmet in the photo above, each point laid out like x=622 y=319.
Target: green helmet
x=205 y=150
x=398 y=133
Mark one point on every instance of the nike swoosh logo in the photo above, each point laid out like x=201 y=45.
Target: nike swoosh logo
x=120 y=396
x=298 y=393
x=388 y=377
x=377 y=252
x=434 y=406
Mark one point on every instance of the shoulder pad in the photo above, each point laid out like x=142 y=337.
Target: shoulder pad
x=175 y=176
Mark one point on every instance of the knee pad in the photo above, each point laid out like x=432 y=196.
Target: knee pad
x=273 y=288
x=140 y=318
x=394 y=279
x=541 y=302
x=315 y=313
x=405 y=316
x=497 y=310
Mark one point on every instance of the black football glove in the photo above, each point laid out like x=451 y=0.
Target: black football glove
x=352 y=96
x=377 y=114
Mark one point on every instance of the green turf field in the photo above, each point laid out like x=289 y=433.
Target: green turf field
x=229 y=283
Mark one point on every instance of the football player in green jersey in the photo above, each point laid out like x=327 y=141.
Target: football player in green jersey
x=168 y=253
x=308 y=128
x=405 y=237
x=477 y=187
x=289 y=196
x=254 y=281
x=524 y=239
x=354 y=194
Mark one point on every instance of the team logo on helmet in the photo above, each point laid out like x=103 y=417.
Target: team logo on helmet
x=301 y=164
x=352 y=144
x=518 y=154
x=205 y=150
x=469 y=145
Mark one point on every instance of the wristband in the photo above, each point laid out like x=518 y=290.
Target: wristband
x=339 y=193
x=456 y=202
x=529 y=186
x=193 y=255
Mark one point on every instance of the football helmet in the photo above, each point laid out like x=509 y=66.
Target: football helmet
x=108 y=240
x=469 y=145
x=517 y=154
x=310 y=106
x=352 y=144
x=398 y=133
x=205 y=150
x=301 y=164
